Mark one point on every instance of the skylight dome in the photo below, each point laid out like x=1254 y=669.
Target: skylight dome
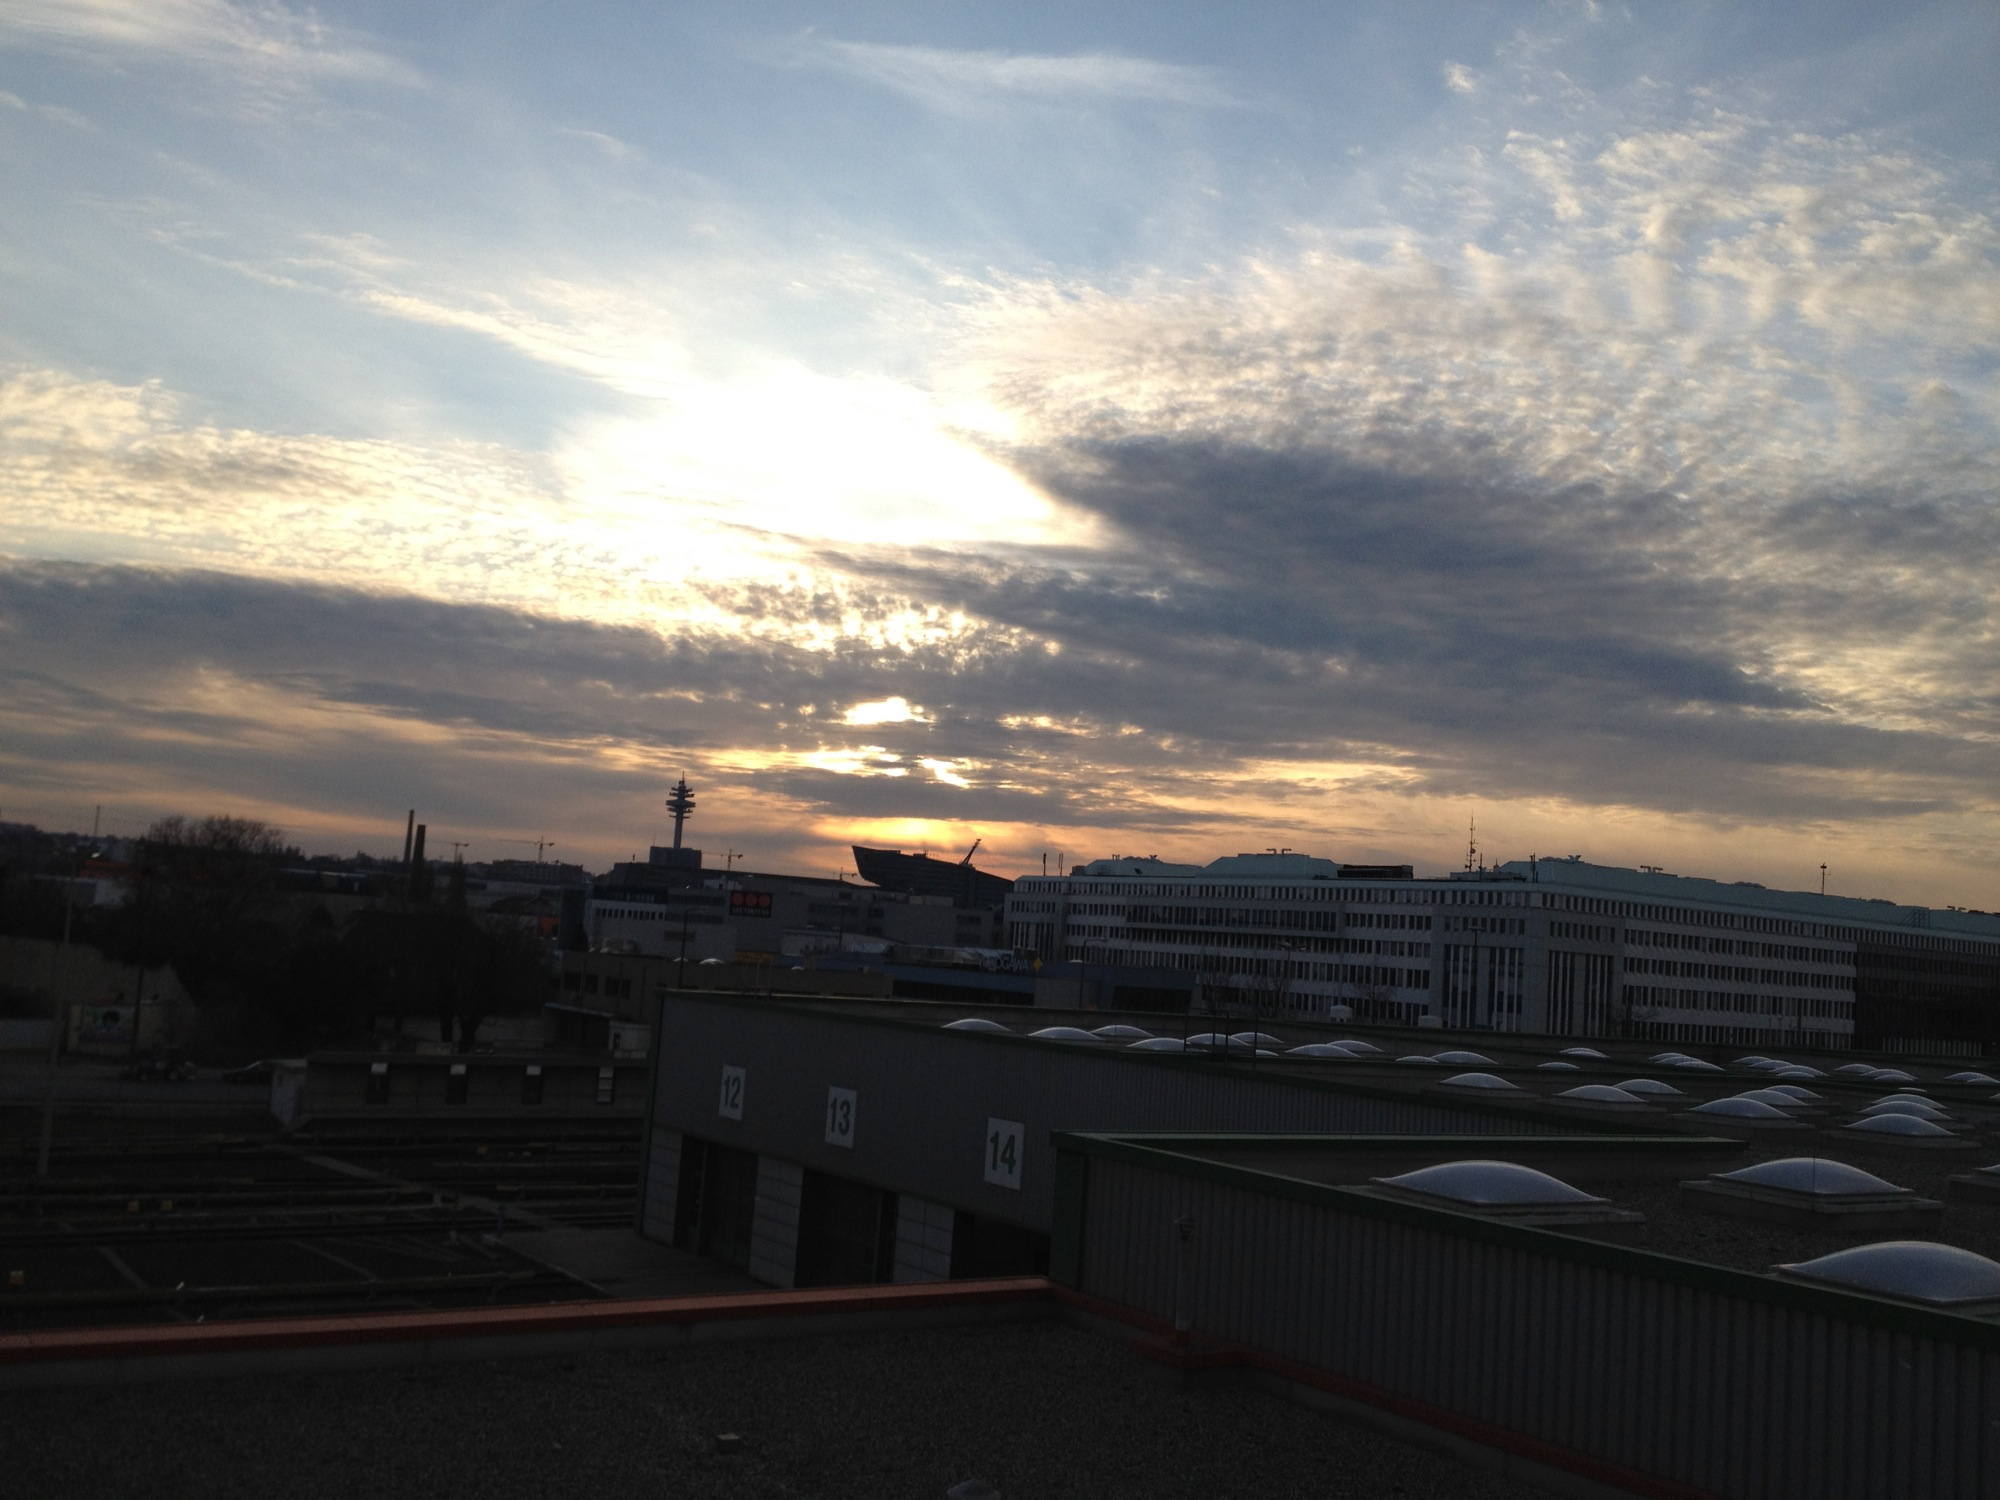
x=1603 y=1095
x=1973 y=1079
x=1157 y=1044
x=1816 y=1175
x=1918 y=1269
x=1798 y=1073
x=1477 y=1081
x=1256 y=1039
x=1591 y=1052
x=977 y=1023
x=1320 y=1049
x=1355 y=1044
x=1893 y=1075
x=1696 y=1065
x=1066 y=1034
x=1646 y=1086
x=1908 y=1127
x=1668 y=1057
x=1740 y=1109
x=1489 y=1183
x=1753 y=1060
x=1771 y=1097
x=1923 y=1109
x=1559 y=1067
x=1121 y=1033
x=1415 y=1057
x=1855 y=1068
x=1461 y=1059
x=1796 y=1091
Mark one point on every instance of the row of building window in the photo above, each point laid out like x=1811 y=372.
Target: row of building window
x=1798 y=979
x=1661 y=997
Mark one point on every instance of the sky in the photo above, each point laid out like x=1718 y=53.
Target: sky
x=1089 y=428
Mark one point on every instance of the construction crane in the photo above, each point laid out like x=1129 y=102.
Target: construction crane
x=540 y=845
x=458 y=848
x=972 y=851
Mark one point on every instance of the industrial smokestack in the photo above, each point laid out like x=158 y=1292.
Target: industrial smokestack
x=409 y=833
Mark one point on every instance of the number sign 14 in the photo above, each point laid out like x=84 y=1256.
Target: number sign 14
x=1003 y=1153
x=730 y=1106
x=841 y=1107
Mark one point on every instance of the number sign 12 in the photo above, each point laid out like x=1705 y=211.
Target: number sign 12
x=1003 y=1153
x=841 y=1106
x=731 y=1104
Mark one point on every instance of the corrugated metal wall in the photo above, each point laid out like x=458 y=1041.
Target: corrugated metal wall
x=1715 y=1379
x=927 y=1099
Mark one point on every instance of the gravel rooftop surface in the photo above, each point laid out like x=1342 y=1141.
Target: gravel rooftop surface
x=1037 y=1409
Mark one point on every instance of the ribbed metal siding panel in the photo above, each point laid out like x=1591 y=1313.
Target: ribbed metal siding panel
x=1724 y=1392
x=926 y=1096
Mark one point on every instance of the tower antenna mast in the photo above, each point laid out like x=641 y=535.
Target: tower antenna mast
x=680 y=805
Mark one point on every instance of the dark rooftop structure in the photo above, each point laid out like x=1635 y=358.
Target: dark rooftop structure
x=921 y=875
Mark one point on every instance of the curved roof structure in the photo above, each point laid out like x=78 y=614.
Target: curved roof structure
x=1583 y=1052
x=1462 y=1059
x=1065 y=1034
x=1477 y=1081
x=1157 y=1044
x=977 y=1023
x=1121 y=1033
x=1560 y=1067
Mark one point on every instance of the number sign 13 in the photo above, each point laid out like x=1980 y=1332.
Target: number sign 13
x=730 y=1106
x=841 y=1106
x=1003 y=1153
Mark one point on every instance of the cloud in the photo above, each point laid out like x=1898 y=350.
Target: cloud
x=965 y=82
x=1460 y=79
x=268 y=41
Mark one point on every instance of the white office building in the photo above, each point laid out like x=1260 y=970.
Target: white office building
x=1558 y=946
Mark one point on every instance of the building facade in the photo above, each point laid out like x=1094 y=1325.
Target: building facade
x=1556 y=946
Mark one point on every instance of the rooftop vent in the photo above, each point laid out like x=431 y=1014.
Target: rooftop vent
x=1917 y=1270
